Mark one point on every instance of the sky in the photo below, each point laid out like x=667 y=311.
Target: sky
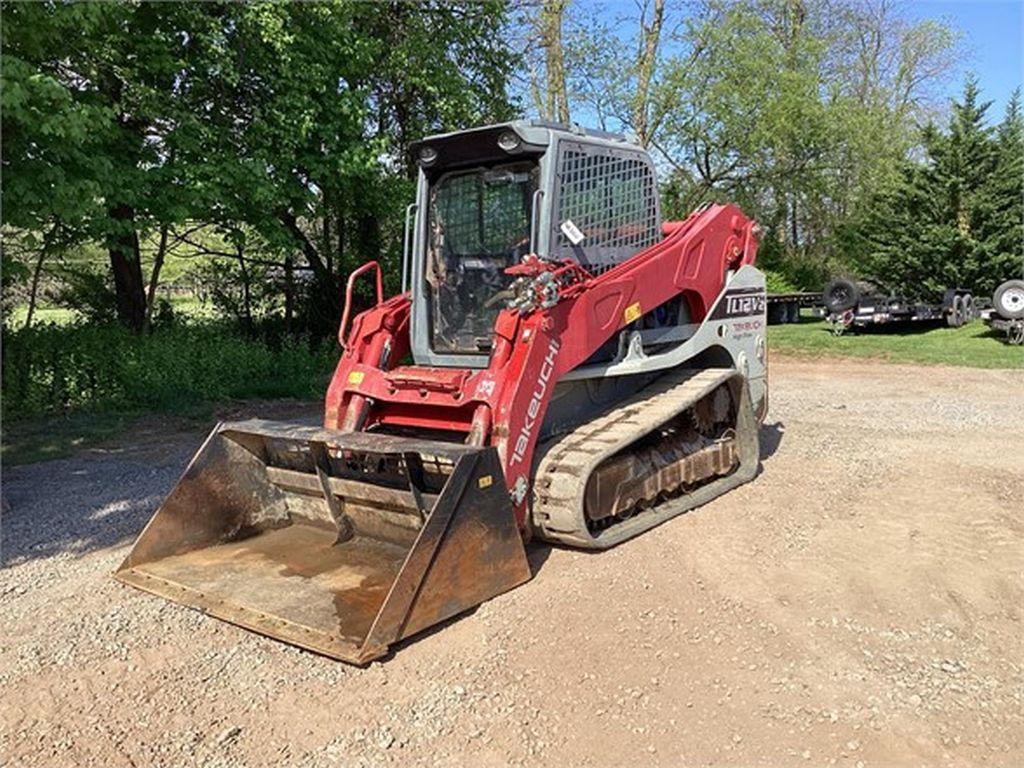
x=993 y=44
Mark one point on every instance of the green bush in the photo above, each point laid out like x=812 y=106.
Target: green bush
x=51 y=369
x=88 y=290
x=777 y=283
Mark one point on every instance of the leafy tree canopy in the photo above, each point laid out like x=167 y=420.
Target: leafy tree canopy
x=121 y=119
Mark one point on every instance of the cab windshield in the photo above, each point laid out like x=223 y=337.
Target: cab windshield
x=479 y=224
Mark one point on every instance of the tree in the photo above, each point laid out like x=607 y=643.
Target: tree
x=127 y=121
x=798 y=110
x=646 y=63
x=92 y=111
x=582 y=61
x=955 y=218
x=541 y=31
x=313 y=121
x=1002 y=200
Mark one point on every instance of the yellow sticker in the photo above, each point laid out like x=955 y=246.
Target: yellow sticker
x=485 y=481
x=356 y=377
x=632 y=312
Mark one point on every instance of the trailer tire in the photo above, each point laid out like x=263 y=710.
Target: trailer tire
x=947 y=299
x=955 y=313
x=840 y=295
x=776 y=314
x=970 y=311
x=1009 y=299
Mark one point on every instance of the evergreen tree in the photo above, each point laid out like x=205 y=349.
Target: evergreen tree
x=955 y=218
x=1002 y=231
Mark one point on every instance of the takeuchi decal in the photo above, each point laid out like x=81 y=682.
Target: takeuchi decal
x=533 y=410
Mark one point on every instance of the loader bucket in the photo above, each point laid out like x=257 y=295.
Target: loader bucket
x=342 y=543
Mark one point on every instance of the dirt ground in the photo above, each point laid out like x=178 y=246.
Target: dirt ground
x=858 y=604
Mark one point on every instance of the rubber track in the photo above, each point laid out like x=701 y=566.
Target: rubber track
x=566 y=462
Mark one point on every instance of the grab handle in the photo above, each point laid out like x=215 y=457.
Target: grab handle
x=538 y=195
x=348 y=295
x=409 y=209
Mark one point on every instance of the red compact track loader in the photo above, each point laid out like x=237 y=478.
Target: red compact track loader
x=560 y=363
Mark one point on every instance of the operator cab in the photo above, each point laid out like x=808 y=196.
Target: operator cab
x=489 y=196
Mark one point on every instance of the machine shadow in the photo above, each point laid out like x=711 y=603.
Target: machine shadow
x=96 y=505
x=103 y=496
x=771 y=438
x=537 y=552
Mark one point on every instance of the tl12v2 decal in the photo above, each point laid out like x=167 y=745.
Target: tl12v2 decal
x=740 y=302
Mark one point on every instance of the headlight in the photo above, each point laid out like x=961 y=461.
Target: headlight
x=509 y=141
x=428 y=155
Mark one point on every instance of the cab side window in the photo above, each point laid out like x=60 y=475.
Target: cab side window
x=611 y=197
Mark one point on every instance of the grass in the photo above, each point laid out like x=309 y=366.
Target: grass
x=191 y=307
x=68 y=385
x=185 y=306
x=43 y=314
x=972 y=346
x=45 y=439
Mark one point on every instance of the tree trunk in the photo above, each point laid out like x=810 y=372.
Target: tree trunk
x=324 y=305
x=650 y=37
x=246 y=289
x=309 y=251
x=154 y=278
x=551 y=17
x=129 y=287
x=342 y=238
x=36 y=272
x=368 y=233
x=289 y=288
x=325 y=241
x=794 y=227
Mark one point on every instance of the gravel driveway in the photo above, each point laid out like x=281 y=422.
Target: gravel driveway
x=858 y=604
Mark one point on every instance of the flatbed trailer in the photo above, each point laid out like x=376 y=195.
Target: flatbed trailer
x=874 y=312
x=864 y=306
